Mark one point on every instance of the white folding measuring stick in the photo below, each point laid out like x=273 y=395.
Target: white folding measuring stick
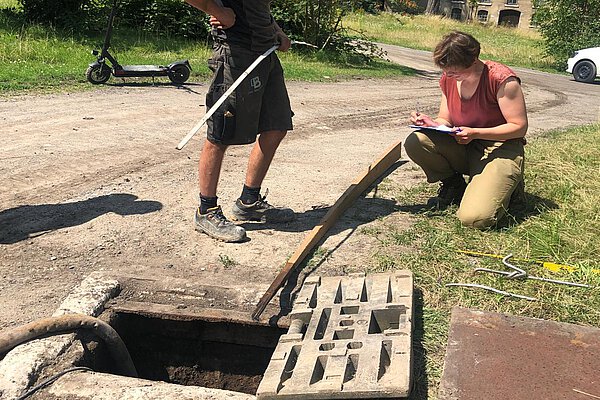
x=214 y=108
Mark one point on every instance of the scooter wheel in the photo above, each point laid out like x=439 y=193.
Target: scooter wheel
x=97 y=74
x=179 y=74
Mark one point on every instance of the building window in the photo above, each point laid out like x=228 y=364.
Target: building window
x=511 y=2
x=485 y=2
x=482 y=16
x=456 y=14
x=509 y=18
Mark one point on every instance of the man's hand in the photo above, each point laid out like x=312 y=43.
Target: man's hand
x=220 y=17
x=224 y=19
x=284 y=42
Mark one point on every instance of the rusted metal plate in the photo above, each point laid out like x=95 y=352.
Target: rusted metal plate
x=494 y=356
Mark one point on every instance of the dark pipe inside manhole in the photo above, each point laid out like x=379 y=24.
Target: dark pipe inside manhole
x=222 y=355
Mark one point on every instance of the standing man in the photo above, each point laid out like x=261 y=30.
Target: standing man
x=259 y=111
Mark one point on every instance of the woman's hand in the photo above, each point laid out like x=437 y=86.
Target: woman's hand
x=225 y=19
x=464 y=135
x=416 y=118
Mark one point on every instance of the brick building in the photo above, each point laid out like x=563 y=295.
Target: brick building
x=515 y=13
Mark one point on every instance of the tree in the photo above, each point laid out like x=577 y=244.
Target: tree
x=433 y=7
x=313 y=21
x=472 y=6
x=568 y=25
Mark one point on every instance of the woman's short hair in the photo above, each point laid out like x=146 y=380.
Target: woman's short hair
x=456 y=49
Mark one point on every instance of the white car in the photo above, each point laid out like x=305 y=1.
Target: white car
x=585 y=64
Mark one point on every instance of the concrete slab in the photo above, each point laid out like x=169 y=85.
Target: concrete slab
x=34 y=361
x=23 y=365
x=97 y=386
x=349 y=337
x=497 y=357
x=186 y=298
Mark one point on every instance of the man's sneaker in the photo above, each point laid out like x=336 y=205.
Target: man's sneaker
x=450 y=192
x=261 y=211
x=214 y=224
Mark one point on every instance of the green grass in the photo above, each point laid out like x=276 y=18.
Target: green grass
x=35 y=57
x=9 y=4
x=560 y=223
x=514 y=47
x=40 y=58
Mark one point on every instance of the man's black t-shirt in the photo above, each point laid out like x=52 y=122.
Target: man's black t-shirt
x=254 y=27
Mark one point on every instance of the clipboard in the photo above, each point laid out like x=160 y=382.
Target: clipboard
x=439 y=128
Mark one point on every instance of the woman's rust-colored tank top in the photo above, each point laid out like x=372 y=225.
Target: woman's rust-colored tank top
x=482 y=109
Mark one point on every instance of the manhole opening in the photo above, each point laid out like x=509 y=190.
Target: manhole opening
x=223 y=355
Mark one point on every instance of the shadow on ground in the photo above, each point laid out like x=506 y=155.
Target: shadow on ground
x=420 y=382
x=363 y=211
x=123 y=82
x=28 y=221
x=532 y=206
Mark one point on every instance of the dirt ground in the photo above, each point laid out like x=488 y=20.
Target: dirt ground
x=92 y=181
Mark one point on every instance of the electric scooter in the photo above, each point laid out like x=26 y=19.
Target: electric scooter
x=99 y=71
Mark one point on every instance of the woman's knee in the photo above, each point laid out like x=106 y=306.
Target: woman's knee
x=478 y=219
x=415 y=143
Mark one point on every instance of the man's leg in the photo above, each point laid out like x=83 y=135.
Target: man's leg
x=209 y=217
x=250 y=206
x=209 y=168
x=261 y=157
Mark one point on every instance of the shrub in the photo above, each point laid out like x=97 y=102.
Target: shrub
x=568 y=25
x=170 y=17
x=56 y=12
x=315 y=21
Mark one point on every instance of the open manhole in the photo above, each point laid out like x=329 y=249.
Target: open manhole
x=220 y=354
x=348 y=337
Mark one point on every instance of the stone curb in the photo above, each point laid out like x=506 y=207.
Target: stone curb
x=98 y=386
x=23 y=365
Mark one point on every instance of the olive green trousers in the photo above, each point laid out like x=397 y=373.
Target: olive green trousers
x=495 y=171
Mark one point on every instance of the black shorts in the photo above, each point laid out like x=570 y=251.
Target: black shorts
x=259 y=104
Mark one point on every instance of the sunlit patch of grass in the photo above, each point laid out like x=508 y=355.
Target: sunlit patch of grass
x=9 y=4
x=514 y=47
x=559 y=223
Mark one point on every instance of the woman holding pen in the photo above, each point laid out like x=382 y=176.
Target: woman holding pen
x=483 y=104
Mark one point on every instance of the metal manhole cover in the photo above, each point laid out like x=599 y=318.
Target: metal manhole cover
x=496 y=357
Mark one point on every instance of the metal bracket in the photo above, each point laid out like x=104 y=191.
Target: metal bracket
x=516 y=273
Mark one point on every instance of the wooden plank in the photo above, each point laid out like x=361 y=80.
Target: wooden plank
x=362 y=183
x=168 y=311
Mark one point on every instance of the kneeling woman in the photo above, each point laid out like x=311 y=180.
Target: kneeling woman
x=483 y=103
